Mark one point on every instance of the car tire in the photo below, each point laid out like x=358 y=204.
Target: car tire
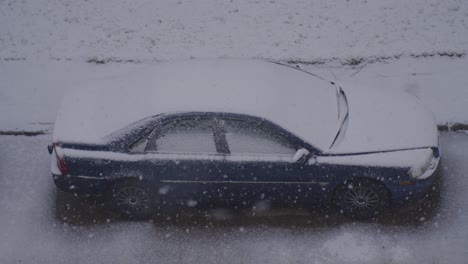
x=132 y=199
x=361 y=199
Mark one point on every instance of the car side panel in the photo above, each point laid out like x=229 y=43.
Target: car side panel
x=336 y=175
x=193 y=181
x=281 y=182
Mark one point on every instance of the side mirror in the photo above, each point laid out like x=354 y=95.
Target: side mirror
x=301 y=155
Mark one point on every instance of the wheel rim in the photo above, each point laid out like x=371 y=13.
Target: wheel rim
x=132 y=199
x=361 y=199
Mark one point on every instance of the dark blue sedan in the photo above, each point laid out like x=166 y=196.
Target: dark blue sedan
x=273 y=148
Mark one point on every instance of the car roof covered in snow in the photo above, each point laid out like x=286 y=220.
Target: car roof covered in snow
x=297 y=101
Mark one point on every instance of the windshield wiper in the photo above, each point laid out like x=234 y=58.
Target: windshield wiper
x=344 y=118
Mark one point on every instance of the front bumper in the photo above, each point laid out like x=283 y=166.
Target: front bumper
x=418 y=189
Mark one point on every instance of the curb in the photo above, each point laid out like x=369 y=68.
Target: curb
x=456 y=127
x=23 y=133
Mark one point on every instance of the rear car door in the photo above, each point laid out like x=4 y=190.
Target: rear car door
x=262 y=167
x=184 y=155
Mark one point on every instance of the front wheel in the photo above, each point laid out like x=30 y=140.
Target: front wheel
x=361 y=199
x=132 y=199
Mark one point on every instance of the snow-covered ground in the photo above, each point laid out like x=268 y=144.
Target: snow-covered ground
x=40 y=226
x=277 y=29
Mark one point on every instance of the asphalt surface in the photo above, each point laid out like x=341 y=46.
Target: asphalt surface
x=39 y=224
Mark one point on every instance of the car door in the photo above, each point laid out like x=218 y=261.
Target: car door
x=184 y=156
x=262 y=167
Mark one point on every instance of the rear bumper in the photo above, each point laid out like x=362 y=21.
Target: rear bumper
x=81 y=184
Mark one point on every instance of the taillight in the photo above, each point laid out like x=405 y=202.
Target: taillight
x=60 y=161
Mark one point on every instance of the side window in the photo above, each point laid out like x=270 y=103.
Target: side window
x=250 y=138
x=185 y=136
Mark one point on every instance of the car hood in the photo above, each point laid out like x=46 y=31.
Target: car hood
x=383 y=120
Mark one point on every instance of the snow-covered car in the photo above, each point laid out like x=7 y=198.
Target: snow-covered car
x=239 y=132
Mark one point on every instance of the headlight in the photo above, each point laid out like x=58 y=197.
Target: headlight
x=426 y=169
x=415 y=172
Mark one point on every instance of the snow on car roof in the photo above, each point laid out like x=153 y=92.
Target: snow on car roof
x=299 y=102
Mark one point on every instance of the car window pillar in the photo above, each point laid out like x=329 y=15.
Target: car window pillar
x=219 y=134
x=151 y=145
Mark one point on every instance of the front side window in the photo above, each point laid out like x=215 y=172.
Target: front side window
x=185 y=136
x=250 y=138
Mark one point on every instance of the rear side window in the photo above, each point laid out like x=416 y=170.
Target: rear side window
x=250 y=138
x=185 y=136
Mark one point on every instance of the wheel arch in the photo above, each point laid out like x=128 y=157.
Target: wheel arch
x=359 y=178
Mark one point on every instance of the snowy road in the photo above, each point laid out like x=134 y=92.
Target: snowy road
x=39 y=225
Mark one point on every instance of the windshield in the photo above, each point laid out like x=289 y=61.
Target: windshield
x=132 y=129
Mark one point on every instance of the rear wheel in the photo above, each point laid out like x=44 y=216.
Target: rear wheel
x=362 y=199
x=132 y=199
